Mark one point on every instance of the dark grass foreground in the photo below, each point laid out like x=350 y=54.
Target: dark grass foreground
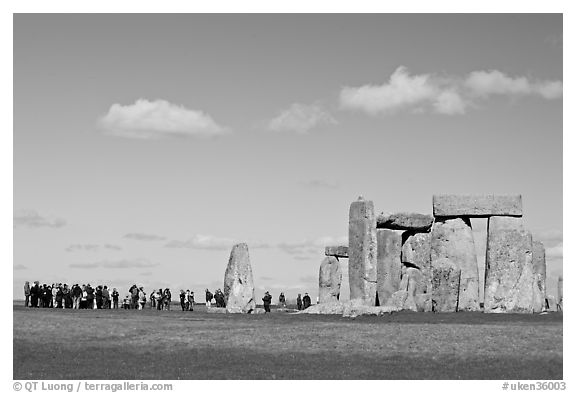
x=125 y=344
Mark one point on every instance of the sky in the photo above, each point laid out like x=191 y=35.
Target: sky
x=145 y=146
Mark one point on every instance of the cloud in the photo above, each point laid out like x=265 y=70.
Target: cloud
x=317 y=183
x=31 y=219
x=92 y=247
x=158 y=119
x=309 y=279
x=307 y=248
x=555 y=252
x=116 y=264
x=208 y=242
x=446 y=95
x=485 y=83
x=550 y=237
x=145 y=237
x=300 y=118
x=20 y=267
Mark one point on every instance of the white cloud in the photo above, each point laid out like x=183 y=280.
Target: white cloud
x=92 y=247
x=555 y=252
x=157 y=119
x=322 y=184
x=20 y=267
x=208 y=242
x=116 y=264
x=312 y=246
x=145 y=237
x=449 y=102
x=442 y=95
x=31 y=219
x=300 y=118
x=485 y=83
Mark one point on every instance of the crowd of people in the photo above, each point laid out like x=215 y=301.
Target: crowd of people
x=85 y=296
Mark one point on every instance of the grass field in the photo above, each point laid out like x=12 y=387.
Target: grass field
x=150 y=344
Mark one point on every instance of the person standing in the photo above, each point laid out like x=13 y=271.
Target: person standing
x=299 y=302
x=53 y=297
x=282 y=300
x=26 y=294
x=306 y=301
x=134 y=297
x=67 y=296
x=167 y=299
x=76 y=296
x=183 y=300
x=106 y=297
x=115 y=296
x=267 y=299
x=141 y=298
x=35 y=294
x=209 y=297
x=190 y=296
x=59 y=297
x=89 y=297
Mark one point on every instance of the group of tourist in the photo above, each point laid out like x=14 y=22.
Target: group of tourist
x=218 y=298
x=64 y=296
x=101 y=297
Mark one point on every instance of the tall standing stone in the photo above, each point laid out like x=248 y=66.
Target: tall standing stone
x=416 y=252
x=539 y=284
x=452 y=241
x=362 y=251
x=389 y=263
x=445 y=285
x=239 y=282
x=509 y=267
x=330 y=279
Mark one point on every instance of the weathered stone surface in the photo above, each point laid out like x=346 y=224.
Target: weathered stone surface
x=330 y=279
x=416 y=252
x=389 y=263
x=332 y=308
x=539 y=283
x=509 y=267
x=238 y=281
x=452 y=239
x=362 y=251
x=405 y=297
x=445 y=285
x=336 y=251
x=405 y=221
x=477 y=205
x=350 y=309
x=353 y=309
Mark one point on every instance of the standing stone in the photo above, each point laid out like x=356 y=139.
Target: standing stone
x=389 y=263
x=238 y=281
x=405 y=297
x=362 y=251
x=509 y=267
x=416 y=252
x=330 y=278
x=539 y=284
x=452 y=239
x=477 y=205
x=445 y=285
